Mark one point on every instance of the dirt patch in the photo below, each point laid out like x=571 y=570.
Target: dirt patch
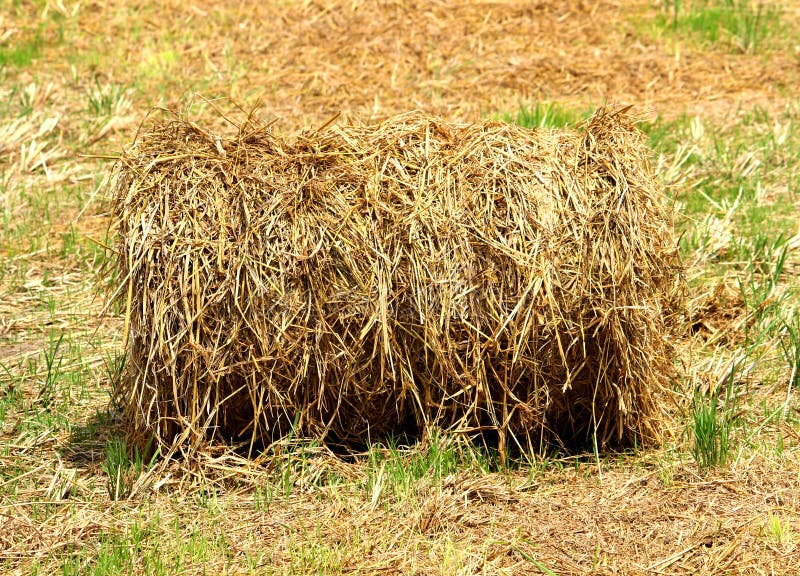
x=376 y=58
x=308 y=61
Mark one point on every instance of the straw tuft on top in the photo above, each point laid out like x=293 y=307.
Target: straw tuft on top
x=364 y=280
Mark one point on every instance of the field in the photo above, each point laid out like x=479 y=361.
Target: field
x=715 y=84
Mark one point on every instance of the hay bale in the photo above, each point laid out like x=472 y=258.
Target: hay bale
x=364 y=280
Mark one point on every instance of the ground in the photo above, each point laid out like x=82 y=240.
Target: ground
x=717 y=99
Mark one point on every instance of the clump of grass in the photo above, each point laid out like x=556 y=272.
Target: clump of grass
x=22 y=52
x=396 y=469
x=712 y=427
x=124 y=465
x=743 y=25
x=106 y=99
x=762 y=295
x=53 y=361
x=114 y=366
x=790 y=346
x=546 y=115
x=779 y=531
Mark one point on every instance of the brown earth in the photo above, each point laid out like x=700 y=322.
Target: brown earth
x=307 y=61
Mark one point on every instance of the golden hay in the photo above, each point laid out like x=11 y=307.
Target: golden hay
x=360 y=281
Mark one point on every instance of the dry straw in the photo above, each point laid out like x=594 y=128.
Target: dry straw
x=364 y=280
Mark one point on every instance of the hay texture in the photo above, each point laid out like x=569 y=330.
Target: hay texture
x=363 y=280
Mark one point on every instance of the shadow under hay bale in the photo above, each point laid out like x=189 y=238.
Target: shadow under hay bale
x=357 y=279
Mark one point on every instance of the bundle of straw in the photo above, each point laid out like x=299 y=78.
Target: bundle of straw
x=365 y=280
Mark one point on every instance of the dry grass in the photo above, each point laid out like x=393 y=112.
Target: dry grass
x=360 y=280
x=96 y=68
x=647 y=517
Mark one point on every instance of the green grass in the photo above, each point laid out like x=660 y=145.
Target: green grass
x=780 y=532
x=53 y=361
x=712 y=427
x=10 y=393
x=25 y=46
x=138 y=549
x=104 y=99
x=23 y=52
x=738 y=181
x=392 y=470
x=124 y=465
x=399 y=470
x=790 y=345
x=735 y=185
x=741 y=25
x=67 y=472
x=546 y=115
x=114 y=366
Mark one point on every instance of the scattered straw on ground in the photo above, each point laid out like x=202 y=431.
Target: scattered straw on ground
x=307 y=61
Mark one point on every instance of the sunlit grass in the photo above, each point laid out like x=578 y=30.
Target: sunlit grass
x=743 y=25
x=79 y=500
